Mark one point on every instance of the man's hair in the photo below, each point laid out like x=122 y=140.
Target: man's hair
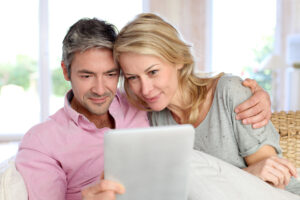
x=86 y=34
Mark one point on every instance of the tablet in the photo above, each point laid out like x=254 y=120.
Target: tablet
x=152 y=163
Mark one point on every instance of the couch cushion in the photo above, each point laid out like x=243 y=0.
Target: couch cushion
x=12 y=186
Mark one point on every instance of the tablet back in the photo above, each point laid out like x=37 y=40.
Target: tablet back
x=152 y=163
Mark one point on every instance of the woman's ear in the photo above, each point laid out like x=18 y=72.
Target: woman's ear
x=179 y=66
x=65 y=71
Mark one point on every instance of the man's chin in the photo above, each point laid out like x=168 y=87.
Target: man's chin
x=98 y=112
x=98 y=109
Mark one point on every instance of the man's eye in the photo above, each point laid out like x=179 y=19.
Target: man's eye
x=112 y=74
x=85 y=76
x=130 y=78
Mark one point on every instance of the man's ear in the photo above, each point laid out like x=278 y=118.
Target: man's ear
x=65 y=71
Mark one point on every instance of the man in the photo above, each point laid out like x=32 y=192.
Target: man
x=60 y=157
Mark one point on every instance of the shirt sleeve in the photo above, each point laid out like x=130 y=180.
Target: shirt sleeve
x=249 y=140
x=43 y=175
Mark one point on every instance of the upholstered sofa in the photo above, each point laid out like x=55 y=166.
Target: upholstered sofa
x=12 y=186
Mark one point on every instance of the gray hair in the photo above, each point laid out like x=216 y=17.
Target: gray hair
x=86 y=34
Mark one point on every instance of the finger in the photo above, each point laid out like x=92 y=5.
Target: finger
x=285 y=172
x=278 y=174
x=102 y=175
x=247 y=105
x=260 y=124
x=250 y=83
x=255 y=118
x=252 y=111
x=287 y=164
x=105 y=185
x=270 y=178
x=107 y=195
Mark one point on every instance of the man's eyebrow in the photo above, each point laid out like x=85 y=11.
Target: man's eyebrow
x=84 y=71
x=113 y=70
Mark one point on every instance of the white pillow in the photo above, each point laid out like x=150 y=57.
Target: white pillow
x=214 y=179
x=12 y=186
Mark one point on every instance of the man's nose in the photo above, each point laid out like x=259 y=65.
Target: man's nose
x=98 y=86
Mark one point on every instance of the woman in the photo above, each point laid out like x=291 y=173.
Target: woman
x=159 y=77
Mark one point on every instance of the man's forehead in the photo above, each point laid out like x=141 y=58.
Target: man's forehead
x=94 y=59
x=86 y=69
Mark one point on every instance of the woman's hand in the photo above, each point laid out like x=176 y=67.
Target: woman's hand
x=274 y=170
x=257 y=109
x=105 y=190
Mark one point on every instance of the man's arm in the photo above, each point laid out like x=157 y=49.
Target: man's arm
x=42 y=174
x=257 y=109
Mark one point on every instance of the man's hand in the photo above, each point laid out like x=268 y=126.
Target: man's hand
x=257 y=109
x=274 y=170
x=105 y=190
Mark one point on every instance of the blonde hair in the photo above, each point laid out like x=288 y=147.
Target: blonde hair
x=149 y=34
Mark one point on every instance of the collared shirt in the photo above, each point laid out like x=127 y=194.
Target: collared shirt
x=61 y=156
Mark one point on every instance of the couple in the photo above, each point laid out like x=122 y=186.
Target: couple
x=63 y=157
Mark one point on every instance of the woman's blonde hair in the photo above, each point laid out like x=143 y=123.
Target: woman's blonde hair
x=149 y=34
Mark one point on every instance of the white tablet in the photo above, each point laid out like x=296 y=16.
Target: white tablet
x=152 y=163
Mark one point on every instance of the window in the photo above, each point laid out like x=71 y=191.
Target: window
x=20 y=61
x=243 y=34
x=19 y=102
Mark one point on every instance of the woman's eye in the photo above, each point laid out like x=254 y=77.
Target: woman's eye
x=153 y=72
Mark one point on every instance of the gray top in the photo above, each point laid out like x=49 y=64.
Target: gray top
x=220 y=134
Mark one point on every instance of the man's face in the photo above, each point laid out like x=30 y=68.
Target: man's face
x=94 y=79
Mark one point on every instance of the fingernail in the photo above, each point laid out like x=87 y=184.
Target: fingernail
x=245 y=121
x=237 y=117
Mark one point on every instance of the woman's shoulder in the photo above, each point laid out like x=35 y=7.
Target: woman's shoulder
x=228 y=80
x=230 y=87
x=230 y=83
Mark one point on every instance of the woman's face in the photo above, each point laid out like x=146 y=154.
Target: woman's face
x=152 y=79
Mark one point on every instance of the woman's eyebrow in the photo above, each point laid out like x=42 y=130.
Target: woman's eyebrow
x=150 y=67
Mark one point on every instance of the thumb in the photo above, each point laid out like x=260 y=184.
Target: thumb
x=250 y=83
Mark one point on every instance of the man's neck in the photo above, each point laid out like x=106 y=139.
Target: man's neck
x=100 y=121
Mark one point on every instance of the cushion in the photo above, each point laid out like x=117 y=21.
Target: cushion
x=214 y=179
x=12 y=186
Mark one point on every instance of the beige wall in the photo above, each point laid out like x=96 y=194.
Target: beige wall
x=189 y=17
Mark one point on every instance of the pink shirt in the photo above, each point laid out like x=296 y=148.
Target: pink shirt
x=59 y=157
